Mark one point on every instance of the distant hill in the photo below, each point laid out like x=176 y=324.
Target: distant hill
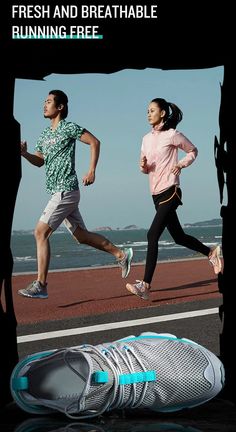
x=207 y=223
x=212 y=222
x=108 y=228
x=103 y=228
x=131 y=227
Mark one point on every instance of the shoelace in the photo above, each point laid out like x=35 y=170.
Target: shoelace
x=112 y=355
x=34 y=288
x=139 y=284
x=141 y=287
x=213 y=260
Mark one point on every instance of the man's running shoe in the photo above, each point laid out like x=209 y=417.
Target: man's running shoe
x=152 y=371
x=214 y=260
x=35 y=290
x=125 y=262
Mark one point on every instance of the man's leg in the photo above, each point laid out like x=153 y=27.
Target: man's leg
x=124 y=258
x=38 y=288
x=42 y=233
x=98 y=242
x=75 y=224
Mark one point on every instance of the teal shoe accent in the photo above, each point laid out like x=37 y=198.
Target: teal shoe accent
x=100 y=377
x=137 y=377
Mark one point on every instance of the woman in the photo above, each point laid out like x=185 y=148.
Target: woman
x=159 y=159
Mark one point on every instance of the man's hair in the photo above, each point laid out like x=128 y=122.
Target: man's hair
x=61 y=99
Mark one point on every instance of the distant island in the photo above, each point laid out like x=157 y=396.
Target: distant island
x=207 y=223
x=103 y=228
x=212 y=222
x=108 y=228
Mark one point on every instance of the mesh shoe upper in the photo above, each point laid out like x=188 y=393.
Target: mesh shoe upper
x=125 y=263
x=215 y=260
x=140 y=289
x=34 y=290
x=159 y=372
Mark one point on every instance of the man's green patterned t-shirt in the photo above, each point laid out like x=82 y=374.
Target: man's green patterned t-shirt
x=58 y=149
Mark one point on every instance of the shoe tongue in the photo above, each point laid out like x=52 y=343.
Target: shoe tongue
x=80 y=363
x=99 y=382
x=62 y=376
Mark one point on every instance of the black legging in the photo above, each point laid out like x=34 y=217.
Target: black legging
x=166 y=204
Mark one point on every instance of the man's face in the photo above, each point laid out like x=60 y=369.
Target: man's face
x=49 y=109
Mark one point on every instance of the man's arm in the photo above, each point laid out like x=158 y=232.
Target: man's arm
x=90 y=139
x=35 y=159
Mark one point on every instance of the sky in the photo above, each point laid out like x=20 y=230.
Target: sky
x=114 y=108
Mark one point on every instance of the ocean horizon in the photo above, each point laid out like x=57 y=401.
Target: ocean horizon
x=67 y=253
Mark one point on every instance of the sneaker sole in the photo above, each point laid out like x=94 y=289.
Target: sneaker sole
x=130 y=257
x=32 y=296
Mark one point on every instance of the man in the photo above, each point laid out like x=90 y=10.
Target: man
x=56 y=150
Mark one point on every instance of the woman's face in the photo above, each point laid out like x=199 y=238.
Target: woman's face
x=155 y=115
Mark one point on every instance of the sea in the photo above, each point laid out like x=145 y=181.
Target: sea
x=66 y=253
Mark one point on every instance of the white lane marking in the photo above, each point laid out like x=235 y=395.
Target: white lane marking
x=115 y=325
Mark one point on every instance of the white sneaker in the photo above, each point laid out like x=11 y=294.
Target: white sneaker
x=125 y=263
x=35 y=290
x=214 y=259
x=153 y=371
x=140 y=289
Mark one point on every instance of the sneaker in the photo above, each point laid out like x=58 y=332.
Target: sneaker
x=214 y=259
x=140 y=289
x=125 y=262
x=35 y=290
x=158 y=372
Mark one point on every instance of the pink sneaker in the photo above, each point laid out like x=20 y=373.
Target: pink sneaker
x=214 y=259
x=140 y=289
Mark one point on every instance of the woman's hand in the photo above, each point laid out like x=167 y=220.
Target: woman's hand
x=143 y=162
x=176 y=170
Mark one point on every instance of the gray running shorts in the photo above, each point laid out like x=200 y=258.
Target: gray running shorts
x=63 y=207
